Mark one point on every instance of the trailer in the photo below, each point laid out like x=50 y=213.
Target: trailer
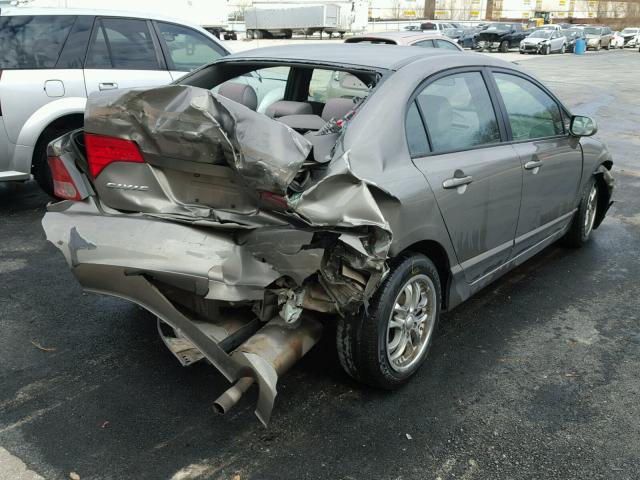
x=212 y=15
x=283 y=19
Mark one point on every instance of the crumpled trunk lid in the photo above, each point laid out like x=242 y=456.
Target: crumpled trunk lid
x=201 y=152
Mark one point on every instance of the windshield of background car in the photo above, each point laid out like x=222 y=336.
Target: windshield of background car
x=541 y=34
x=572 y=33
x=630 y=31
x=498 y=26
x=593 y=31
x=32 y=42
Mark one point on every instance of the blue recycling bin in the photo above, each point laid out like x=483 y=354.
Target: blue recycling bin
x=580 y=46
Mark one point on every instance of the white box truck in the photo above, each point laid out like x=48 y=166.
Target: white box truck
x=283 y=19
x=212 y=15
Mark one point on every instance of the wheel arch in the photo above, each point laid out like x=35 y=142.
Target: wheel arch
x=604 y=183
x=435 y=252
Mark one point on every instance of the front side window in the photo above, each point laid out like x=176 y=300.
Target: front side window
x=532 y=112
x=188 y=49
x=123 y=44
x=458 y=112
x=32 y=41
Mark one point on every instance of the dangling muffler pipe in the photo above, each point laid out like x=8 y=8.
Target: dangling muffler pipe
x=269 y=353
x=228 y=399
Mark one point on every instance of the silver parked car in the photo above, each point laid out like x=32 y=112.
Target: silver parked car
x=375 y=206
x=51 y=59
x=544 y=41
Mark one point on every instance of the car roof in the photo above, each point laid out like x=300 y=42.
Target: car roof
x=396 y=36
x=38 y=11
x=375 y=57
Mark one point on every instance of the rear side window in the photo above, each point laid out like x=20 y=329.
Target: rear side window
x=425 y=44
x=532 y=113
x=446 y=45
x=187 y=48
x=458 y=112
x=33 y=42
x=123 y=44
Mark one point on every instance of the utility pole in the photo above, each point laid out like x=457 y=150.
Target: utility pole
x=429 y=9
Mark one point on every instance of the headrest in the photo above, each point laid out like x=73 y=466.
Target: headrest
x=241 y=93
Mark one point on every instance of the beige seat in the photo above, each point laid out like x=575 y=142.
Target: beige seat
x=334 y=109
x=241 y=93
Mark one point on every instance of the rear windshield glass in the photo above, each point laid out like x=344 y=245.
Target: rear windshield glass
x=31 y=42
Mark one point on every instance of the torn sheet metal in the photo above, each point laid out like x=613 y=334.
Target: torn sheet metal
x=193 y=124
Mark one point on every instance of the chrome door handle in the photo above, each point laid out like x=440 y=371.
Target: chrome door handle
x=108 y=86
x=533 y=164
x=456 y=182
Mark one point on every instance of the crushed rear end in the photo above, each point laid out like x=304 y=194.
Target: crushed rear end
x=235 y=230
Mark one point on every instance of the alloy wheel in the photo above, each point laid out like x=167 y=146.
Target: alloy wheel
x=411 y=322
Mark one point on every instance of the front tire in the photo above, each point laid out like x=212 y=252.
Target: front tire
x=386 y=345
x=504 y=47
x=583 y=220
x=563 y=50
x=547 y=50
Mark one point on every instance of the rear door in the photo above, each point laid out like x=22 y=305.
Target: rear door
x=186 y=49
x=552 y=159
x=476 y=179
x=124 y=53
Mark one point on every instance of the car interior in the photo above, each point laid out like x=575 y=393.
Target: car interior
x=303 y=97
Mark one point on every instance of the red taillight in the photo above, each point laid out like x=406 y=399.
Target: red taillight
x=101 y=151
x=63 y=184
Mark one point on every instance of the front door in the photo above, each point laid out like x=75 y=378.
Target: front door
x=123 y=53
x=551 y=158
x=476 y=180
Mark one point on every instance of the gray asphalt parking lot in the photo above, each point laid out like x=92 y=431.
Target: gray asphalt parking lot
x=537 y=376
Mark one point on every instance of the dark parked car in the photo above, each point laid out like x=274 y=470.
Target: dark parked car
x=500 y=36
x=468 y=37
x=369 y=213
x=573 y=34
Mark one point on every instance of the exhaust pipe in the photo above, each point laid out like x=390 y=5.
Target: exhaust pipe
x=273 y=350
x=228 y=399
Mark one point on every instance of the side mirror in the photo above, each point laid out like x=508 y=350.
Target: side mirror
x=582 y=126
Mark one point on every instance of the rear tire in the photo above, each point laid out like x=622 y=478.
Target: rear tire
x=582 y=223
x=377 y=347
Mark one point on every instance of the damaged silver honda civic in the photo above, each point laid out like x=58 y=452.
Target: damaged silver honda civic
x=376 y=187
